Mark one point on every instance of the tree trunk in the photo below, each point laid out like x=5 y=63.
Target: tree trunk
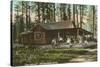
x=17 y=16
x=43 y=12
x=29 y=17
x=81 y=16
x=69 y=12
x=26 y=17
x=22 y=10
x=22 y=19
x=93 y=21
x=17 y=23
x=54 y=12
x=38 y=12
x=74 y=16
x=48 y=13
x=77 y=16
x=61 y=12
x=64 y=12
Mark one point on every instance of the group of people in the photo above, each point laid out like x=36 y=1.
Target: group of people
x=60 y=40
x=68 y=41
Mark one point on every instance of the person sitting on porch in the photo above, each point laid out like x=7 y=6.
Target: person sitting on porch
x=60 y=40
x=68 y=41
x=53 y=42
x=86 y=42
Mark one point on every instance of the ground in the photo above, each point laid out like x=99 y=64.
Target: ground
x=46 y=54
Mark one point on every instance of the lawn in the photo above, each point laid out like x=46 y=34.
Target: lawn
x=30 y=55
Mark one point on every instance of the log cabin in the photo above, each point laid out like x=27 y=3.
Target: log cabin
x=43 y=33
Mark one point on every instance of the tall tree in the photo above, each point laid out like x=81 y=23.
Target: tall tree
x=93 y=7
x=63 y=12
x=81 y=15
x=16 y=25
x=22 y=19
x=69 y=12
x=38 y=4
x=77 y=16
x=26 y=15
x=74 y=16
x=54 y=12
x=43 y=12
x=28 y=19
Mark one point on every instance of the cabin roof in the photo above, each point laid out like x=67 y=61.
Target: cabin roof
x=56 y=25
x=26 y=32
x=61 y=25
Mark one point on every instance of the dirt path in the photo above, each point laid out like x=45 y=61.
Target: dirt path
x=81 y=59
x=85 y=58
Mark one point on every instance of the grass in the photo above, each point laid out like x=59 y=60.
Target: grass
x=68 y=51
x=56 y=57
x=23 y=55
x=91 y=47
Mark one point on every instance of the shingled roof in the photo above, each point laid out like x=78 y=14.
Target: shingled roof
x=56 y=25
x=61 y=26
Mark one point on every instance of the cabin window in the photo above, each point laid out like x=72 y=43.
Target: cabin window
x=37 y=35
